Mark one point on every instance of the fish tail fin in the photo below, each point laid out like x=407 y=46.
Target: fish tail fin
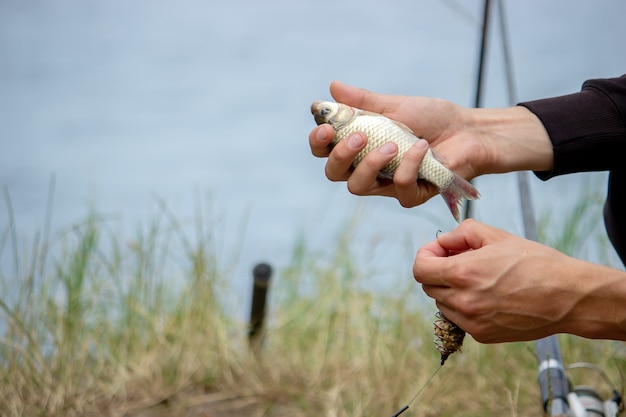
x=459 y=189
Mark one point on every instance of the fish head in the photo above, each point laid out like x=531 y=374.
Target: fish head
x=335 y=114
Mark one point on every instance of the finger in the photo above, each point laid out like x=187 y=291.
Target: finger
x=435 y=292
x=470 y=235
x=320 y=138
x=358 y=97
x=436 y=262
x=364 y=179
x=430 y=265
x=436 y=265
x=432 y=250
x=409 y=191
x=339 y=164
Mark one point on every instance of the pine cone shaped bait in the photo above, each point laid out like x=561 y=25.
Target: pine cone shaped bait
x=449 y=336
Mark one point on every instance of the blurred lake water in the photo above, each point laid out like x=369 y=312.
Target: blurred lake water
x=208 y=102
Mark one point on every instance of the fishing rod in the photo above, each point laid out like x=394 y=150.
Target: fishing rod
x=553 y=381
x=558 y=398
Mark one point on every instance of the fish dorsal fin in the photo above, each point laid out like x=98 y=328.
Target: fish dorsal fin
x=397 y=123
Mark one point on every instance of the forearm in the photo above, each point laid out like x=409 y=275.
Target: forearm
x=598 y=301
x=514 y=139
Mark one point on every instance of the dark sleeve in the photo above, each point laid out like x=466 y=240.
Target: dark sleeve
x=587 y=129
x=614 y=212
x=588 y=133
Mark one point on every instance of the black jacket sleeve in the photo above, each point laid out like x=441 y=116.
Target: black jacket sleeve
x=588 y=133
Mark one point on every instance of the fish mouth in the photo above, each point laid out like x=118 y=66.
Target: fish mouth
x=315 y=106
x=315 y=111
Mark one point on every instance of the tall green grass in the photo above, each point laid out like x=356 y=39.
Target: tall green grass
x=93 y=325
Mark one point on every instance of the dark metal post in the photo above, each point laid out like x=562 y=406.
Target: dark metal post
x=261 y=274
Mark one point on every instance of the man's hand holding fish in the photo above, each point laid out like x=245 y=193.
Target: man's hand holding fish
x=495 y=285
x=470 y=142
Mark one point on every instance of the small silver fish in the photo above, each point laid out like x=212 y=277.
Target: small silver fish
x=379 y=129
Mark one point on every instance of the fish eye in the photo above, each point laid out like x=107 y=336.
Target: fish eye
x=325 y=111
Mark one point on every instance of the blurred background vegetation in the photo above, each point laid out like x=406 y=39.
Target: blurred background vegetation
x=91 y=325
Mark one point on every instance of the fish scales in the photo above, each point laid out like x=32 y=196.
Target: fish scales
x=380 y=130
x=346 y=120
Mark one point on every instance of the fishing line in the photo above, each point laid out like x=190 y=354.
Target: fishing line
x=528 y=215
x=419 y=391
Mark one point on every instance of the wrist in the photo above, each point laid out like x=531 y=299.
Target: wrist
x=597 y=310
x=514 y=139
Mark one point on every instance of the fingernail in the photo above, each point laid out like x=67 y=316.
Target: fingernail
x=388 y=148
x=421 y=143
x=355 y=141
